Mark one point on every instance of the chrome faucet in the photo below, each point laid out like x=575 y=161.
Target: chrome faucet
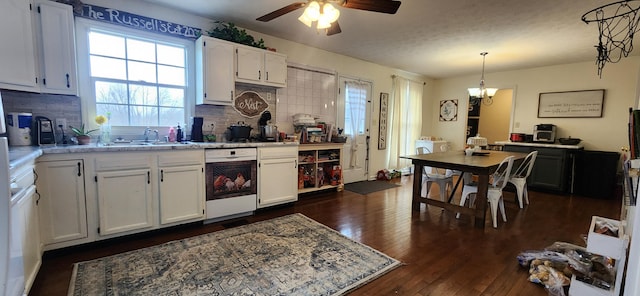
x=157 y=139
x=146 y=134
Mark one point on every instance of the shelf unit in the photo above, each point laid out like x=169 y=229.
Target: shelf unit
x=319 y=167
x=608 y=246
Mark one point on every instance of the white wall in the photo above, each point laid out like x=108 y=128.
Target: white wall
x=299 y=54
x=608 y=133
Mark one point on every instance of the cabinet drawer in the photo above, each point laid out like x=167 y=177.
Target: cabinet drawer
x=277 y=152
x=122 y=162
x=551 y=151
x=22 y=178
x=181 y=158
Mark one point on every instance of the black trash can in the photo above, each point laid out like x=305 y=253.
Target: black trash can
x=596 y=174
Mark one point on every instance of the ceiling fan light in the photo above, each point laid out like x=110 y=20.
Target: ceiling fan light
x=304 y=18
x=323 y=23
x=330 y=12
x=312 y=11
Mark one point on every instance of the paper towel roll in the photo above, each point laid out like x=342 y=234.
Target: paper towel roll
x=19 y=128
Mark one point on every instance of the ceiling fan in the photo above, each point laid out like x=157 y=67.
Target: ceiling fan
x=319 y=8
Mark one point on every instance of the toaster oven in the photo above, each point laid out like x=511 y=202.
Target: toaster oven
x=545 y=133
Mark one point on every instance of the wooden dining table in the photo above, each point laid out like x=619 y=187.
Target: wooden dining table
x=482 y=164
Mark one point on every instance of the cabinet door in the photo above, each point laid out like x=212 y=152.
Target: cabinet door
x=57 y=48
x=31 y=253
x=124 y=200
x=250 y=63
x=17 y=48
x=181 y=193
x=277 y=181
x=549 y=172
x=62 y=207
x=275 y=67
x=214 y=72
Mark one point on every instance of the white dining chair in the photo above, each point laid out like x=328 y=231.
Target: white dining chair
x=519 y=177
x=444 y=178
x=499 y=180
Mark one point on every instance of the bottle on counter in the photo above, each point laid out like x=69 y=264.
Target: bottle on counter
x=172 y=134
x=179 y=134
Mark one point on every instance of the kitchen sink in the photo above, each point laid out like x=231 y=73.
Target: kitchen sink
x=142 y=143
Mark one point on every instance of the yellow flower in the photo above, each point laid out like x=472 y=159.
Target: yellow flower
x=100 y=119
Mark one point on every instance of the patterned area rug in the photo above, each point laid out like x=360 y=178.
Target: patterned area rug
x=290 y=255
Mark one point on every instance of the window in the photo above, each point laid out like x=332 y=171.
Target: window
x=139 y=78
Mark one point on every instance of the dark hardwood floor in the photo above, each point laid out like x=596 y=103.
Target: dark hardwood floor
x=442 y=255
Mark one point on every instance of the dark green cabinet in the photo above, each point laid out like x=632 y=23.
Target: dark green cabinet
x=552 y=169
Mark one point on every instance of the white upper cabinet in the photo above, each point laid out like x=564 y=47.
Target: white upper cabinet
x=275 y=66
x=17 y=49
x=215 y=82
x=220 y=64
x=38 y=52
x=57 y=50
x=258 y=66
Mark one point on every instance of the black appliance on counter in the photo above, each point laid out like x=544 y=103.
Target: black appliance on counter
x=544 y=133
x=44 y=131
x=268 y=132
x=196 y=129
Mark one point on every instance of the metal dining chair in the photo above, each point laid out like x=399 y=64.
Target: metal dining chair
x=519 y=177
x=444 y=178
x=499 y=180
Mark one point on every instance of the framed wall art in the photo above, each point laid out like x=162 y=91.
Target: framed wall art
x=577 y=104
x=448 y=110
x=382 y=128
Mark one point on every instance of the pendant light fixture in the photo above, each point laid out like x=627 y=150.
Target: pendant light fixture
x=482 y=93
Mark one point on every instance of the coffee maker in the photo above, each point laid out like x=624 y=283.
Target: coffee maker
x=196 y=129
x=44 y=131
x=268 y=132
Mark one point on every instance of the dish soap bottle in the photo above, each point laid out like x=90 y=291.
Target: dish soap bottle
x=172 y=134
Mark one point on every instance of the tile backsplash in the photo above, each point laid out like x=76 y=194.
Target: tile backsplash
x=47 y=105
x=308 y=91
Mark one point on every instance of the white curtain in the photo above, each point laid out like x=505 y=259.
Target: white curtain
x=355 y=108
x=405 y=121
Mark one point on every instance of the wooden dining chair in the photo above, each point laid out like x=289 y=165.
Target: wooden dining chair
x=499 y=180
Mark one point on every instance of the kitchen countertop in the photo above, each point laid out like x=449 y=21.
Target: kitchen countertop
x=542 y=145
x=19 y=155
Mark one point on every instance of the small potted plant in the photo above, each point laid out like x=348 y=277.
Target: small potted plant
x=83 y=136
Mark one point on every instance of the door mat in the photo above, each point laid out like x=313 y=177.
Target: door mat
x=290 y=255
x=366 y=187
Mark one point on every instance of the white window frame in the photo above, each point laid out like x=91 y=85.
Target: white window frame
x=85 y=88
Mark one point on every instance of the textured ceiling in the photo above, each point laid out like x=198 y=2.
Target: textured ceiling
x=435 y=38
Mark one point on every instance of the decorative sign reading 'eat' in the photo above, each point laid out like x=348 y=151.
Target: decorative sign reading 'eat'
x=250 y=104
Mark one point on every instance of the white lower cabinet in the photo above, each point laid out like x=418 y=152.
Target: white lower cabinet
x=31 y=250
x=62 y=206
x=124 y=200
x=181 y=186
x=123 y=187
x=25 y=247
x=277 y=175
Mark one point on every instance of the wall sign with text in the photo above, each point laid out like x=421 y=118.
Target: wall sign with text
x=382 y=128
x=250 y=104
x=577 y=104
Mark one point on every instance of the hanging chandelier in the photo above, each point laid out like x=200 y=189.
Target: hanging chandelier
x=321 y=12
x=482 y=93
